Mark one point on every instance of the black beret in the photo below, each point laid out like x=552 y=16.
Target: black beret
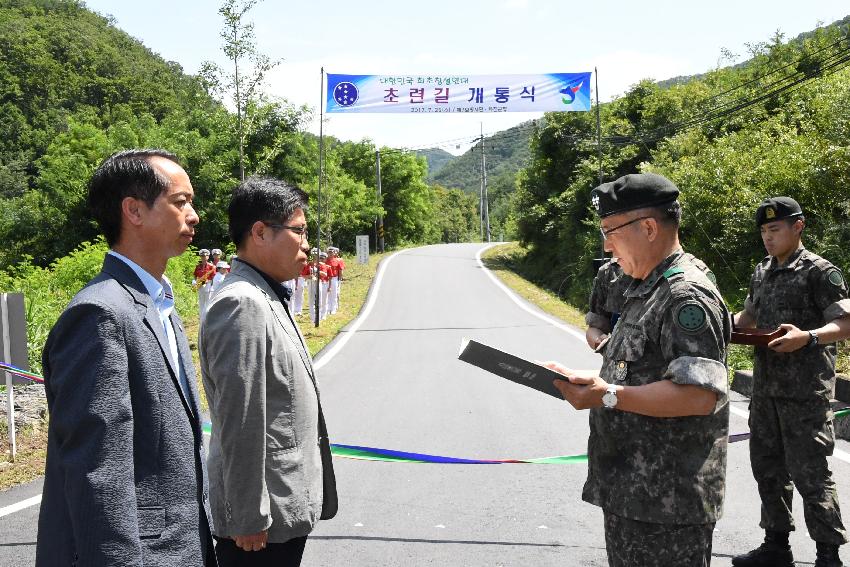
x=776 y=208
x=634 y=191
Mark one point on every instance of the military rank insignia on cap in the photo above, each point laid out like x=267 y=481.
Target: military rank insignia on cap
x=634 y=191
x=777 y=208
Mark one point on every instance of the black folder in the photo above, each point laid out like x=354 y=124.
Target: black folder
x=510 y=367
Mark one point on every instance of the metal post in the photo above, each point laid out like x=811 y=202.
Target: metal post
x=481 y=191
x=484 y=181
x=599 y=152
x=319 y=192
x=10 y=391
x=379 y=241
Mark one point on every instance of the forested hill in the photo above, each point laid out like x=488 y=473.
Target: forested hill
x=436 y=158
x=506 y=152
x=74 y=89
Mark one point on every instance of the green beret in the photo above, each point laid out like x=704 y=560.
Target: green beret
x=776 y=208
x=634 y=191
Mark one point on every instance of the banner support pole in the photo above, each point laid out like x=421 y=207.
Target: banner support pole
x=599 y=151
x=319 y=195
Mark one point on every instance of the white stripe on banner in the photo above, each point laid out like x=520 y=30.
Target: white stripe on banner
x=435 y=94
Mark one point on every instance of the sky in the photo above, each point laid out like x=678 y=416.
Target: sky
x=626 y=40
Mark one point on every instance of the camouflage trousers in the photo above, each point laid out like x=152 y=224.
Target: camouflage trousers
x=789 y=444
x=631 y=543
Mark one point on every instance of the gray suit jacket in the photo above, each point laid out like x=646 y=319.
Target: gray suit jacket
x=125 y=482
x=267 y=469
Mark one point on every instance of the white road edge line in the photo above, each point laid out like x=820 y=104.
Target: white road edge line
x=18 y=506
x=373 y=294
x=521 y=302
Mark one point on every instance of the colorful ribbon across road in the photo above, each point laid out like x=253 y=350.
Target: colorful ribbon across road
x=392 y=456
x=22 y=373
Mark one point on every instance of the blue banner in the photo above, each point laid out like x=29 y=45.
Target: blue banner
x=434 y=94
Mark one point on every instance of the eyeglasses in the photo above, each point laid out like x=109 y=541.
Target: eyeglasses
x=299 y=230
x=605 y=233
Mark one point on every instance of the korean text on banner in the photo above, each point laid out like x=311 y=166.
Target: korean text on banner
x=433 y=94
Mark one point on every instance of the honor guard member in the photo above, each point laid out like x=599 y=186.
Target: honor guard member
x=216 y=256
x=203 y=275
x=793 y=380
x=312 y=283
x=298 y=294
x=338 y=265
x=324 y=279
x=659 y=415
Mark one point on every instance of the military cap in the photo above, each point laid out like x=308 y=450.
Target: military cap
x=333 y=249
x=216 y=251
x=633 y=191
x=776 y=208
x=323 y=254
x=222 y=264
x=203 y=252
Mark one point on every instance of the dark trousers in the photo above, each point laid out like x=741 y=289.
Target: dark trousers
x=631 y=543
x=789 y=445
x=287 y=554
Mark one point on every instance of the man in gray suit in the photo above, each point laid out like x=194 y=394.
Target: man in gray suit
x=271 y=475
x=125 y=482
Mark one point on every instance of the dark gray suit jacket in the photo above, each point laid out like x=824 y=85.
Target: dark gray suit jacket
x=125 y=482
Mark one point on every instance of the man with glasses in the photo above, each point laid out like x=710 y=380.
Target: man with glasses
x=271 y=475
x=659 y=406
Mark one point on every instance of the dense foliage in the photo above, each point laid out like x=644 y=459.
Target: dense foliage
x=74 y=89
x=777 y=125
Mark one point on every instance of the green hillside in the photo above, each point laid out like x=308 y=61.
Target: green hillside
x=436 y=158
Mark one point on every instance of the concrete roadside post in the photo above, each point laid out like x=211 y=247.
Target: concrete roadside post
x=14 y=334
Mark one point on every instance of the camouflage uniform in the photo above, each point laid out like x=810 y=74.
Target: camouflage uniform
x=789 y=410
x=608 y=293
x=663 y=475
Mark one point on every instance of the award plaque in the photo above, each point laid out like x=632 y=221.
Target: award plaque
x=757 y=337
x=510 y=367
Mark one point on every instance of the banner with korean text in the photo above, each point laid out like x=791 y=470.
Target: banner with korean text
x=432 y=94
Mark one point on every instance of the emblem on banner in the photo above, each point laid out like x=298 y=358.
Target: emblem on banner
x=345 y=94
x=570 y=92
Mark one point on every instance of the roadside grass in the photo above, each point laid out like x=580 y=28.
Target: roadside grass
x=31 y=444
x=504 y=260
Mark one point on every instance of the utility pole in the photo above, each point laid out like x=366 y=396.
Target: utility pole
x=379 y=240
x=485 y=206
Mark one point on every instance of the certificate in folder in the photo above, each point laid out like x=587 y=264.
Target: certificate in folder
x=510 y=367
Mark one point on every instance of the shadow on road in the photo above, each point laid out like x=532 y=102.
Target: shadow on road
x=452 y=541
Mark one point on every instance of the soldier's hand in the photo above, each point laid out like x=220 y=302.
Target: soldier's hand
x=793 y=339
x=582 y=388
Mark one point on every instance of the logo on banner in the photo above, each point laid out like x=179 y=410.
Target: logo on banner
x=570 y=91
x=345 y=94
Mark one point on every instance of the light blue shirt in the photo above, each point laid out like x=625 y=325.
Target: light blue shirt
x=163 y=299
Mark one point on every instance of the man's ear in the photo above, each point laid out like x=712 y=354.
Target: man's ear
x=651 y=228
x=131 y=210
x=259 y=231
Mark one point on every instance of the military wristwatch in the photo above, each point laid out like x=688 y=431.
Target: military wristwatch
x=609 y=399
x=813 y=339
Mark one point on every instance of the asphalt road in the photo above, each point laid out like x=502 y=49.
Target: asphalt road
x=393 y=381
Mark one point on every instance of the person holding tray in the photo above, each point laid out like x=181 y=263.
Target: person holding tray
x=805 y=296
x=659 y=411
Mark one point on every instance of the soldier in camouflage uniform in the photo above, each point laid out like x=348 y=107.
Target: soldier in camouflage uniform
x=607 y=296
x=659 y=408
x=793 y=380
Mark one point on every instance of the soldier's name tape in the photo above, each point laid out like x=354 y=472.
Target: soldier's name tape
x=393 y=456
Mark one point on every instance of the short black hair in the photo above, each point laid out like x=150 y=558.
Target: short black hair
x=264 y=199
x=127 y=173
